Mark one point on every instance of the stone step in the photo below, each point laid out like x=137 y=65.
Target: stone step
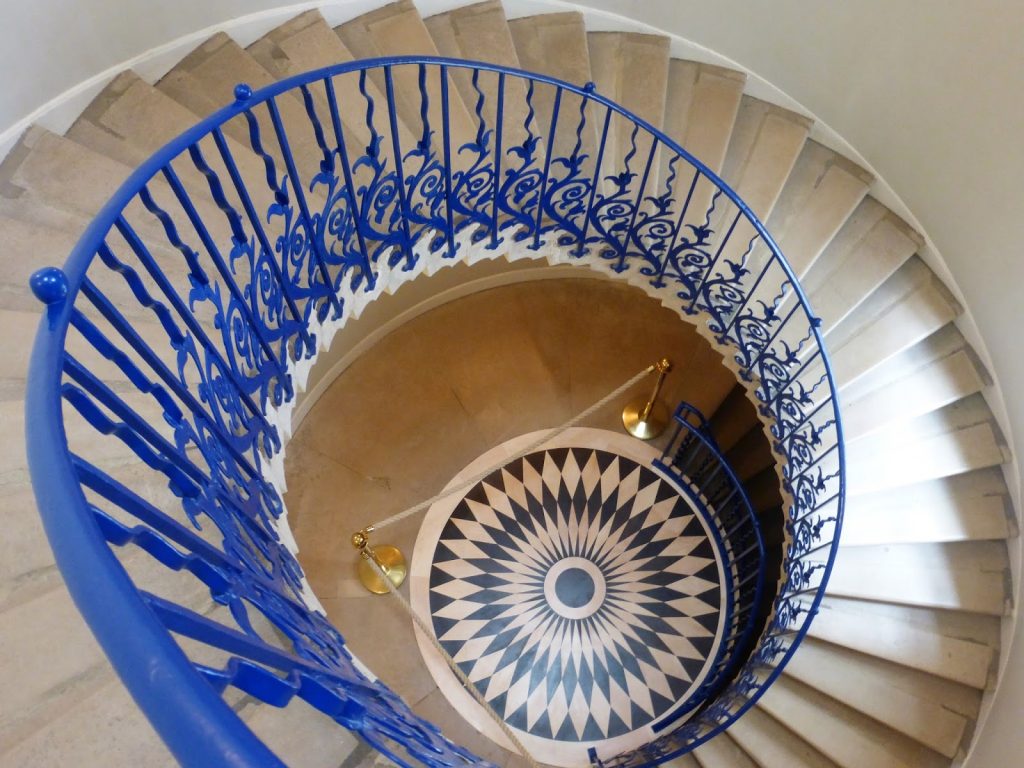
x=848 y=738
x=130 y=120
x=735 y=417
x=964 y=576
x=480 y=32
x=751 y=454
x=765 y=144
x=27 y=567
x=683 y=761
x=62 y=172
x=821 y=193
x=944 y=342
x=869 y=248
x=910 y=306
x=101 y=725
x=397 y=29
x=618 y=61
x=307 y=42
x=55 y=649
x=555 y=44
x=106 y=449
x=976 y=627
x=773 y=745
x=973 y=506
x=918 y=705
x=204 y=81
x=722 y=752
x=31 y=246
x=896 y=640
x=957 y=438
x=701 y=103
x=927 y=389
x=72 y=177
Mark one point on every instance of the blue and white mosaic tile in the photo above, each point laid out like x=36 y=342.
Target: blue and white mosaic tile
x=579 y=591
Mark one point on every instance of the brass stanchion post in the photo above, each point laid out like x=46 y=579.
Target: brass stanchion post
x=646 y=419
x=390 y=559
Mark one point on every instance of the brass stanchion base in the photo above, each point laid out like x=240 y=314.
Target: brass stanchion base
x=391 y=561
x=645 y=429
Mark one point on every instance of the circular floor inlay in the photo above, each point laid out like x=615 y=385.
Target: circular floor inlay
x=578 y=590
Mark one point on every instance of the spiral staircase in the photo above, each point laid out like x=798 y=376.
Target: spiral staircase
x=904 y=643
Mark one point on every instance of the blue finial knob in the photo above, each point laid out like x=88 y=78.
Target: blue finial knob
x=590 y=87
x=243 y=92
x=49 y=284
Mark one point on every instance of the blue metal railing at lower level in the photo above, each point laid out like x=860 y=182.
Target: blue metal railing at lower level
x=694 y=459
x=175 y=336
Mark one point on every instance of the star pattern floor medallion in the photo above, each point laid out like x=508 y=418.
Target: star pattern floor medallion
x=578 y=589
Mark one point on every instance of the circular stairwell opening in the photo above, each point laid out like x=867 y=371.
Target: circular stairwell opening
x=449 y=386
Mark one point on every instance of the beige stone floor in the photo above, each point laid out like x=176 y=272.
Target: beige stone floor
x=436 y=393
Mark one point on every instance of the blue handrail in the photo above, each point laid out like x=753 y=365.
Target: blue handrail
x=242 y=238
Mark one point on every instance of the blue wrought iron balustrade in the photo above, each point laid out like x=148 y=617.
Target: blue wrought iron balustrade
x=698 y=465
x=186 y=318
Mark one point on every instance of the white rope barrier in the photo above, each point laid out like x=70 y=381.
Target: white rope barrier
x=545 y=438
x=463 y=678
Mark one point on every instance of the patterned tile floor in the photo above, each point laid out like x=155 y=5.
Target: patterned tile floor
x=578 y=590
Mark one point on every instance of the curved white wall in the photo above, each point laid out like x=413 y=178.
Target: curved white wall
x=929 y=94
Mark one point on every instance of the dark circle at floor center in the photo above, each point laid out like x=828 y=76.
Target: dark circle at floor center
x=575 y=587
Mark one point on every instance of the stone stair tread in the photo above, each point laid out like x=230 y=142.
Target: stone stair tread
x=956 y=438
x=555 y=44
x=765 y=144
x=928 y=389
x=564 y=35
x=305 y=43
x=397 y=29
x=973 y=627
x=300 y=735
x=619 y=60
x=971 y=506
x=733 y=419
x=965 y=576
x=106 y=728
x=960 y=660
x=701 y=103
x=131 y=119
x=31 y=246
x=62 y=171
x=73 y=177
x=822 y=192
x=723 y=752
x=204 y=81
x=772 y=745
x=944 y=342
x=850 y=739
x=853 y=267
x=963 y=450
x=911 y=702
x=480 y=32
x=907 y=308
